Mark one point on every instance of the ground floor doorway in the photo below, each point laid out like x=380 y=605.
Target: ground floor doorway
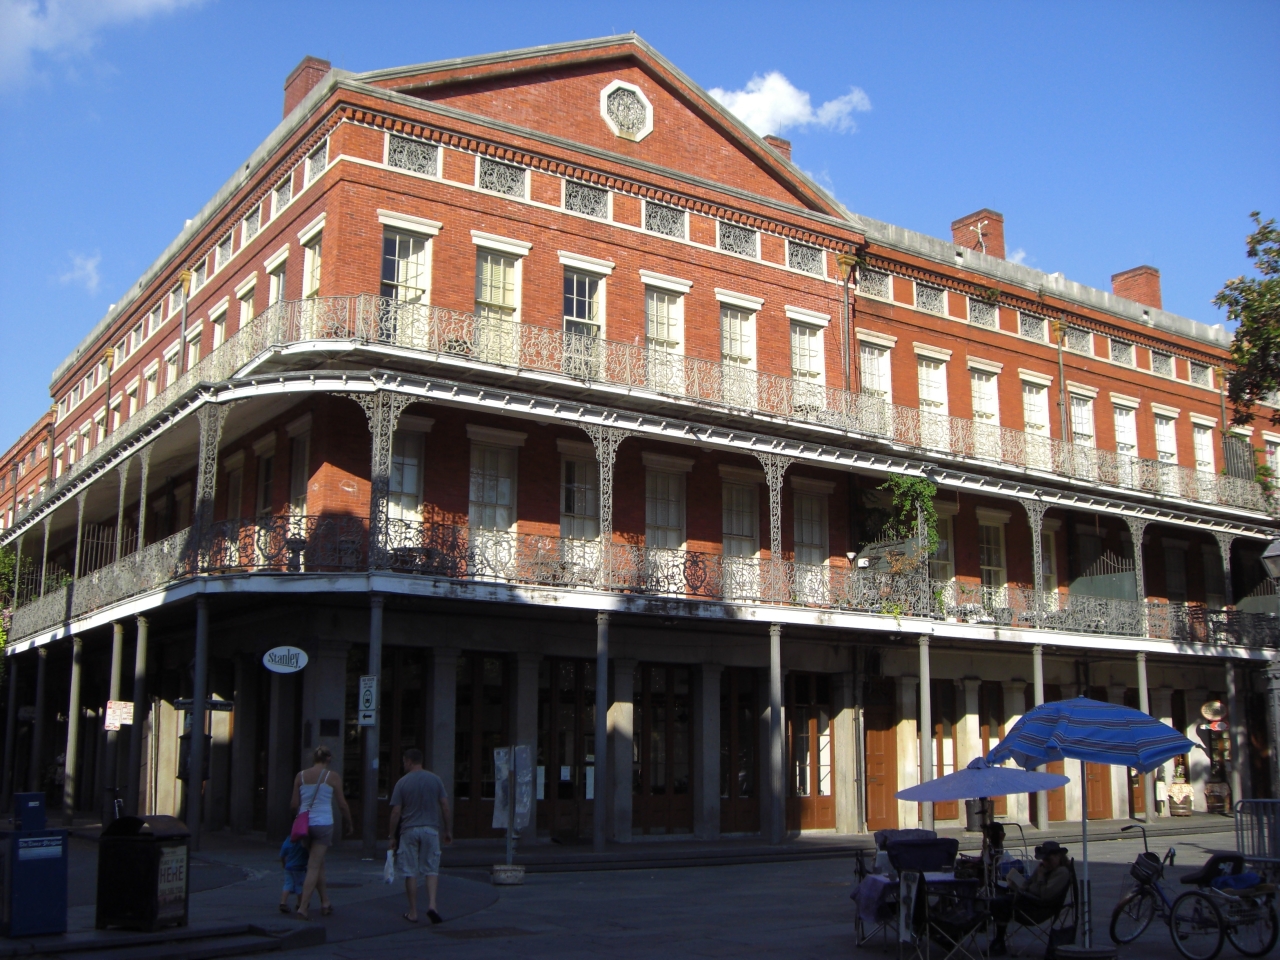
x=739 y=751
x=880 y=719
x=481 y=724
x=811 y=804
x=662 y=752
x=566 y=747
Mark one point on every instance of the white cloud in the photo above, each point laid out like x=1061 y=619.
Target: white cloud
x=772 y=104
x=59 y=27
x=84 y=272
x=1018 y=256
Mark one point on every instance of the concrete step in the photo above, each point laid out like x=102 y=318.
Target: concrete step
x=194 y=942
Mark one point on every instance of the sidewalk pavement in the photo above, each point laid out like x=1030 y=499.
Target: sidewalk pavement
x=236 y=880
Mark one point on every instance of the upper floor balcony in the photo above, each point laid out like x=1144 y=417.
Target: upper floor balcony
x=329 y=331
x=329 y=546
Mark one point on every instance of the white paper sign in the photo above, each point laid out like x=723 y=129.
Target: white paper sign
x=119 y=714
x=284 y=659
x=367 y=706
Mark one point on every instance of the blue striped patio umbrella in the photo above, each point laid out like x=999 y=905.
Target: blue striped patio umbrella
x=1092 y=732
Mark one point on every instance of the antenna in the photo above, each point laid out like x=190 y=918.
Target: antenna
x=977 y=228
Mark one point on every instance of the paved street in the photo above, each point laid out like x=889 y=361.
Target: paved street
x=793 y=910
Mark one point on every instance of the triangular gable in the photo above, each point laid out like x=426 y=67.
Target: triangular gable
x=558 y=91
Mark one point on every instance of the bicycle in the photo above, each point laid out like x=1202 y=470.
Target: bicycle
x=1248 y=912
x=1194 y=920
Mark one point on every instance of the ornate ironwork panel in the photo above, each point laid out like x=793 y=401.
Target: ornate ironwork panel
x=383 y=409
x=501 y=177
x=1032 y=326
x=931 y=299
x=1122 y=352
x=775 y=468
x=626 y=110
x=873 y=283
x=740 y=240
x=801 y=256
x=1079 y=341
x=317 y=160
x=583 y=198
x=659 y=218
x=413 y=155
x=983 y=313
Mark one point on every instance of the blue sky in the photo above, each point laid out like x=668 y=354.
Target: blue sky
x=1109 y=135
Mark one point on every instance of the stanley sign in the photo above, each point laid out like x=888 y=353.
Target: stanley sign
x=284 y=659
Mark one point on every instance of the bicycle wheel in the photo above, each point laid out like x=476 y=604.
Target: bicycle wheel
x=1251 y=926
x=1132 y=915
x=1195 y=924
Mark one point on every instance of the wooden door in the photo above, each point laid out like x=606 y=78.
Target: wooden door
x=1057 y=798
x=661 y=798
x=1137 y=789
x=811 y=748
x=480 y=726
x=739 y=751
x=566 y=735
x=943 y=707
x=1098 y=778
x=879 y=721
x=991 y=717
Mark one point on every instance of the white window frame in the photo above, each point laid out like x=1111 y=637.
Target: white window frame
x=1081 y=400
x=678 y=482
x=751 y=488
x=1167 y=438
x=988 y=369
x=218 y=320
x=1202 y=442
x=577 y=526
x=997 y=519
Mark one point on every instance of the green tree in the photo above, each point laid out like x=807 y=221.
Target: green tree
x=912 y=501
x=1254 y=304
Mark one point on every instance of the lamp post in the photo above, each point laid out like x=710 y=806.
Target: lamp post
x=1059 y=333
x=109 y=357
x=845 y=262
x=1271 y=559
x=185 y=277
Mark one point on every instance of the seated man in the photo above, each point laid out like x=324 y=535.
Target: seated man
x=1044 y=888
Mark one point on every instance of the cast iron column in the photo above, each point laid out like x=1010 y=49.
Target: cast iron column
x=927 y=759
x=133 y=772
x=1037 y=679
x=369 y=786
x=111 y=762
x=199 y=707
x=599 y=774
x=34 y=778
x=777 y=777
x=10 y=734
x=72 y=756
x=1144 y=704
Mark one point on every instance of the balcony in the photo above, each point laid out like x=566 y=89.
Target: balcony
x=284 y=546
x=440 y=334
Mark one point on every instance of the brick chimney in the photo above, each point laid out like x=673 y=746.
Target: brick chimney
x=782 y=146
x=1141 y=284
x=982 y=231
x=303 y=78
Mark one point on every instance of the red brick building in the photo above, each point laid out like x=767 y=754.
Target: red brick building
x=489 y=376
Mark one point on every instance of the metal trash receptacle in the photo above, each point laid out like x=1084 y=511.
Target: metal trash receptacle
x=142 y=873
x=33 y=872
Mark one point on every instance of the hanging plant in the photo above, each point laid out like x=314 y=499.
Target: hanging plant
x=911 y=505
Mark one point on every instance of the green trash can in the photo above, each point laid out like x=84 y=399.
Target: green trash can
x=142 y=873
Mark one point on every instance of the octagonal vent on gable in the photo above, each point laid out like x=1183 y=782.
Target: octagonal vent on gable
x=626 y=110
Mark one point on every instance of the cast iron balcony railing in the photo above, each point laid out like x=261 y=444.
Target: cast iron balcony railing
x=444 y=334
x=284 y=546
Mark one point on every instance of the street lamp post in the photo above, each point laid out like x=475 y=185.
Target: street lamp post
x=846 y=262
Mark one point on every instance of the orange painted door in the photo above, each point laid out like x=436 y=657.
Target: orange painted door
x=882 y=757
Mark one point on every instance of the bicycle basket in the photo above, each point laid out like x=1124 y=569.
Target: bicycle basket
x=1147 y=868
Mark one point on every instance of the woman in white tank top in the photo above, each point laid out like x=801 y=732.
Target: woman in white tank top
x=315 y=790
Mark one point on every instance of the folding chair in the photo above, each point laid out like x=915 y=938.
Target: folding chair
x=1049 y=922
x=913 y=859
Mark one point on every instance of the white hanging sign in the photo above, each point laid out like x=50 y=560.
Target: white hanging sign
x=367 y=707
x=119 y=714
x=284 y=659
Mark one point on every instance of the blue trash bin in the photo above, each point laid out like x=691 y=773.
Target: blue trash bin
x=33 y=872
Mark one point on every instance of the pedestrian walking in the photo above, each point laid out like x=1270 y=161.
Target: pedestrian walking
x=315 y=790
x=420 y=823
x=293 y=857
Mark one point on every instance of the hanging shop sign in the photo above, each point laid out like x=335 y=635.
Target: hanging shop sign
x=284 y=659
x=119 y=714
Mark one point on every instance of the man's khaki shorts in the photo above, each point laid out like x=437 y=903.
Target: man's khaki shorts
x=418 y=854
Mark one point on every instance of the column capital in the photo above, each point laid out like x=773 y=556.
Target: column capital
x=377 y=600
x=970 y=683
x=1017 y=686
x=602 y=616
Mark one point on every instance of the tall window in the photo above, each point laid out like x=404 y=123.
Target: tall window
x=404 y=267
x=171 y=367
x=986 y=400
x=991 y=555
x=150 y=379
x=493 y=488
x=662 y=321
x=1035 y=408
x=741 y=514
x=235 y=493
x=246 y=307
x=1082 y=430
x=806 y=353
x=219 y=330
x=581 y=304
x=737 y=353
x=942 y=563
x=811 y=529
x=663 y=510
x=495 y=286
x=932 y=378
x=311 y=268
x=193 y=350
x=266 y=473
x=1166 y=439
x=1126 y=431
x=404 y=500
x=579 y=499
x=1203 y=436
x=875 y=371
x=299 y=473
x=662 y=338
x=277 y=279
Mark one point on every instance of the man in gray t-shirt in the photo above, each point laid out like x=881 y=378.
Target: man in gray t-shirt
x=420 y=822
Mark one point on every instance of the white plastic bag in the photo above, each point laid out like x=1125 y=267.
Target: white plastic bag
x=389 y=869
